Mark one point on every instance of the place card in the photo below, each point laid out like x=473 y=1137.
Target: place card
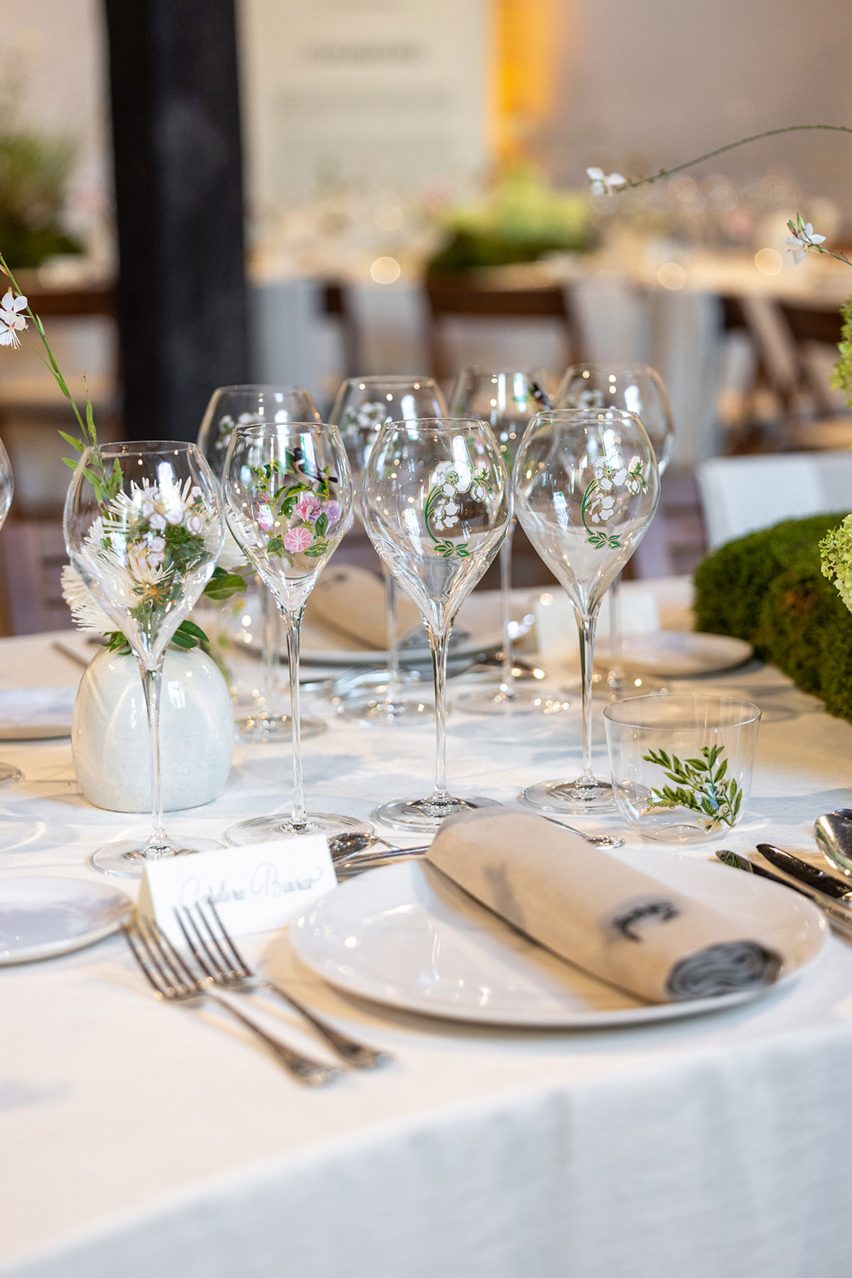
x=255 y=888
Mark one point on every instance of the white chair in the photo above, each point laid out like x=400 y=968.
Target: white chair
x=741 y=494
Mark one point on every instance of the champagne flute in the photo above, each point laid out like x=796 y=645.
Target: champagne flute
x=144 y=528
x=288 y=498
x=8 y=772
x=586 y=488
x=634 y=388
x=247 y=405
x=437 y=504
x=362 y=406
x=507 y=401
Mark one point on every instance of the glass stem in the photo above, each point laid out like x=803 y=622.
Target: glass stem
x=152 y=682
x=439 y=644
x=507 y=678
x=271 y=649
x=616 y=638
x=293 y=630
x=586 y=623
x=392 y=635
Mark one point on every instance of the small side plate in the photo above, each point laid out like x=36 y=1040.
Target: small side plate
x=43 y=916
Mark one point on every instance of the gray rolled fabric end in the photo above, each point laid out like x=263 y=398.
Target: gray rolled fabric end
x=723 y=969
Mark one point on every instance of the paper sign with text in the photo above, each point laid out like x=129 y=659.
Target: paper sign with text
x=255 y=888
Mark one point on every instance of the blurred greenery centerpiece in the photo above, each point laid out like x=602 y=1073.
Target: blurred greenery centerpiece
x=519 y=219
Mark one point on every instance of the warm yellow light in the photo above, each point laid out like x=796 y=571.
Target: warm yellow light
x=385 y=270
x=768 y=261
x=671 y=275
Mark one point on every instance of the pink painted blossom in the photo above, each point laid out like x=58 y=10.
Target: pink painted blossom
x=264 y=517
x=297 y=540
x=308 y=508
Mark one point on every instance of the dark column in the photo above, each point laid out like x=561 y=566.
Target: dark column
x=179 y=204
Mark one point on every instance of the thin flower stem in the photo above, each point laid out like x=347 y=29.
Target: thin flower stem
x=732 y=146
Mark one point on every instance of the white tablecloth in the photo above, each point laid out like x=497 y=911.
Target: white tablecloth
x=141 y=1139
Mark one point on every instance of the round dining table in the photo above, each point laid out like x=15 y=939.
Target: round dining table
x=145 y=1139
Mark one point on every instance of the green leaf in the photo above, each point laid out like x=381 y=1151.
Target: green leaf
x=275 y=545
x=183 y=641
x=190 y=628
x=322 y=525
x=72 y=441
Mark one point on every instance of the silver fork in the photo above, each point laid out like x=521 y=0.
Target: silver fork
x=221 y=961
x=174 y=980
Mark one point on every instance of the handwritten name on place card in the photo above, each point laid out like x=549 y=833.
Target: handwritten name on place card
x=255 y=888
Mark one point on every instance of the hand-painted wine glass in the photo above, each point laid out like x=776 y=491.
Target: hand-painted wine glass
x=586 y=488
x=144 y=529
x=436 y=505
x=8 y=772
x=633 y=388
x=288 y=498
x=362 y=406
x=253 y=405
x=507 y=401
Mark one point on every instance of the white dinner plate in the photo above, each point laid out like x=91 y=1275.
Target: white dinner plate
x=41 y=917
x=478 y=629
x=407 y=937
x=679 y=653
x=36 y=714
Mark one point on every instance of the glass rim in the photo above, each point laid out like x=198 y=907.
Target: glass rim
x=621 y=365
x=603 y=414
x=303 y=427
x=750 y=712
x=285 y=388
x=392 y=379
x=127 y=447
x=436 y=424
x=485 y=370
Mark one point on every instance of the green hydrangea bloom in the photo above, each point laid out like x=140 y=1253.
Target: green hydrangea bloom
x=836 y=557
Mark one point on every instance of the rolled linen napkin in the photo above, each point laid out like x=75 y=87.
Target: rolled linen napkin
x=613 y=921
x=351 y=601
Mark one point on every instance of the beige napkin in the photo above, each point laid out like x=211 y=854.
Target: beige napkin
x=613 y=921
x=351 y=601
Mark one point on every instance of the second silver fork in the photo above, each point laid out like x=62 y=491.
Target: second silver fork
x=216 y=953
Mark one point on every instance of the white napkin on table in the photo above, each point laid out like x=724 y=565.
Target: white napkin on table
x=351 y=600
x=608 y=918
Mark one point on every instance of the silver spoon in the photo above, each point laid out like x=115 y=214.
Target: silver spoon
x=833 y=832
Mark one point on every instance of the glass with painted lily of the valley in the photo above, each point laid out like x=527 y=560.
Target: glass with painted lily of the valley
x=361 y=408
x=288 y=498
x=263 y=720
x=586 y=488
x=144 y=529
x=436 y=504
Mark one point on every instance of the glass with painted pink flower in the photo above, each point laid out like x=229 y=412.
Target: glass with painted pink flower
x=288 y=498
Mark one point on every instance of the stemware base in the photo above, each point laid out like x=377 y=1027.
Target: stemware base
x=425 y=816
x=281 y=826
x=509 y=700
x=582 y=795
x=263 y=728
x=126 y=859
x=375 y=707
x=615 y=684
x=10 y=774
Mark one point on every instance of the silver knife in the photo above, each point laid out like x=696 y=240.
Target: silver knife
x=839 y=916
x=804 y=872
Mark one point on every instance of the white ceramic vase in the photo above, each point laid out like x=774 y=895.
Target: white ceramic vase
x=109 y=733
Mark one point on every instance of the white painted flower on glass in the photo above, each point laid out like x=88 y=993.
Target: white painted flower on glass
x=604 y=183
x=12 y=319
x=634 y=480
x=372 y=414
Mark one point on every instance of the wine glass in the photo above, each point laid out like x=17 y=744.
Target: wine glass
x=144 y=528
x=288 y=498
x=635 y=388
x=507 y=401
x=586 y=487
x=362 y=406
x=436 y=505
x=251 y=405
x=8 y=772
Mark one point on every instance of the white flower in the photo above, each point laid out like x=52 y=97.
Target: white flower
x=193 y=523
x=602 y=509
x=231 y=556
x=12 y=322
x=605 y=475
x=802 y=237
x=87 y=613
x=479 y=485
x=144 y=564
x=635 y=479
x=446 y=515
x=604 y=183
x=372 y=415
x=590 y=400
x=452 y=478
